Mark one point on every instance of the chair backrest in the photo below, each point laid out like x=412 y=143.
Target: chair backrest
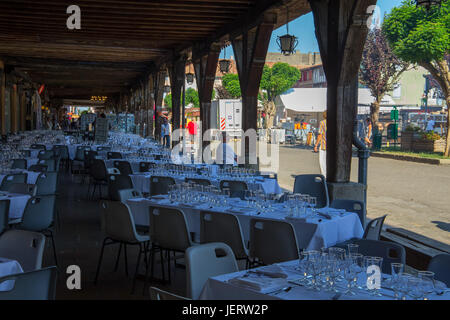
x=89 y=157
x=104 y=148
x=351 y=206
x=389 y=251
x=4 y=214
x=237 y=188
x=46 y=154
x=46 y=183
x=223 y=227
x=26 y=247
x=205 y=261
x=123 y=166
x=26 y=153
x=19 y=164
x=158 y=294
x=79 y=154
x=33 y=285
x=38 y=214
x=23 y=188
x=117 y=221
x=168 y=228
x=38 y=146
x=272 y=241
x=373 y=229
x=314 y=185
x=125 y=194
x=202 y=182
x=145 y=166
x=38 y=168
x=160 y=185
x=440 y=265
x=10 y=179
x=62 y=151
x=98 y=170
x=117 y=182
x=114 y=155
x=50 y=163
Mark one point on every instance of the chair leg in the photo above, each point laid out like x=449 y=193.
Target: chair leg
x=137 y=268
x=168 y=263
x=152 y=254
x=100 y=261
x=54 y=248
x=126 y=259
x=117 y=260
x=162 y=264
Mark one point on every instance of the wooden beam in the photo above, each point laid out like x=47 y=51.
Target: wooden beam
x=341 y=31
x=205 y=66
x=177 y=75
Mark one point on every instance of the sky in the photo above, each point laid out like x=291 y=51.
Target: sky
x=303 y=29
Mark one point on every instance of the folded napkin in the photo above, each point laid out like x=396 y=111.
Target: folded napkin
x=325 y=215
x=272 y=271
x=159 y=196
x=260 y=284
x=135 y=199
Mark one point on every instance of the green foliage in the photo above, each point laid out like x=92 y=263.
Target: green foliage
x=416 y=35
x=278 y=79
x=432 y=136
x=191 y=97
x=231 y=84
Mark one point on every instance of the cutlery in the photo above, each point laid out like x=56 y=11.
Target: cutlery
x=286 y=289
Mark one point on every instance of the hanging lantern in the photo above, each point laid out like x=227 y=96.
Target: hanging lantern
x=224 y=64
x=287 y=43
x=190 y=78
x=166 y=88
x=427 y=4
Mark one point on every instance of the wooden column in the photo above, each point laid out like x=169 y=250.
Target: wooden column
x=205 y=66
x=341 y=31
x=151 y=105
x=14 y=109
x=250 y=50
x=23 y=109
x=2 y=98
x=177 y=74
x=160 y=78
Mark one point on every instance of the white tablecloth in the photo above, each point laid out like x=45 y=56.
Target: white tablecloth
x=17 y=203
x=8 y=267
x=217 y=288
x=312 y=234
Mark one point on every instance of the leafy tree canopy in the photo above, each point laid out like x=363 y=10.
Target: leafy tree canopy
x=231 y=84
x=416 y=35
x=278 y=79
x=191 y=97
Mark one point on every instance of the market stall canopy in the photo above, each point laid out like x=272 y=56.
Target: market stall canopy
x=315 y=99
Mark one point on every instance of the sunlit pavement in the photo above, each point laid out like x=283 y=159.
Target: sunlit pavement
x=415 y=196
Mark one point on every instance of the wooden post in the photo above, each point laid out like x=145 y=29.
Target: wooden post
x=250 y=49
x=151 y=105
x=23 y=108
x=205 y=66
x=177 y=74
x=160 y=79
x=341 y=31
x=2 y=98
x=14 y=108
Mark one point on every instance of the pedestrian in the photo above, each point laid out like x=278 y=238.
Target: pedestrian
x=322 y=140
x=430 y=124
x=165 y=132
x=368 y=133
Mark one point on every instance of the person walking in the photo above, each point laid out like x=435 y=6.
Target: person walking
x=165 y=132
x=322 y=140
x=368 y=133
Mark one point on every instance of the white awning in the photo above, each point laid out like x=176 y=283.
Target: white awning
x=315 y=99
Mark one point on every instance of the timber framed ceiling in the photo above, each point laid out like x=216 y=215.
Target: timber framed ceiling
x=119 y=40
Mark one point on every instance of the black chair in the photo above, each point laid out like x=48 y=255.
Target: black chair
x=123 y=166
x=160 y=185
x=19 y=164
x=52 y=164
x=351 y=206
x=4 y=215
x=145 y=166
x=38 y=168
x=63 y=152
x=373 y=228
x=389 y=251
x=11 y=179
x=117 y=182
x=99 y=175
x=202 y=182
x=440 y=265
x=113 y=155
x=314 y=185
x=105 y=148
x=38 y=146
x=237 y=188
x=46 y=154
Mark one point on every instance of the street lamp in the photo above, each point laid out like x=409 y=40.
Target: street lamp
x=427 y=4
x=190 y=76
x=287 y=43
x=224 y=64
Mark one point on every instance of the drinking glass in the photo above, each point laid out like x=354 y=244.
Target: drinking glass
x=396 y=270
x=427 y=278
x=352 y=248
x=350 y=273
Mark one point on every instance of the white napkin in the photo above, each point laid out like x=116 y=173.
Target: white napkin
x=260 y=284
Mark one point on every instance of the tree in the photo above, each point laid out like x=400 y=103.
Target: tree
x=230 y=83
x=275 y=81
x=191 y=97
x=423 y=38
x=380 y=70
